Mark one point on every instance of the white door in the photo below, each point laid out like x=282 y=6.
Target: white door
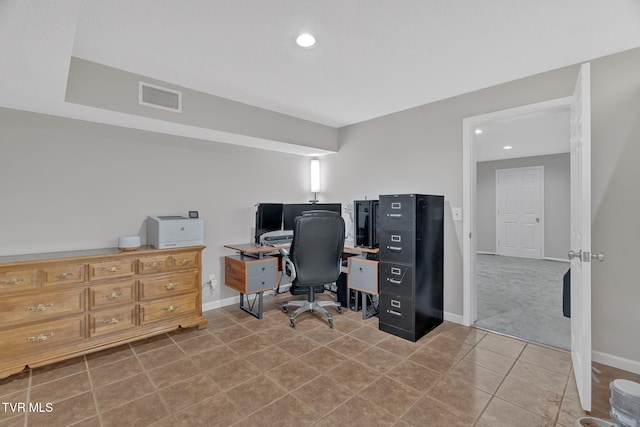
x=519 y=210
x=580 y=254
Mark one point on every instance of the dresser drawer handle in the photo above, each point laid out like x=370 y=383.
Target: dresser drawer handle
x=39 y=307
x=171 y=308
x=64 y=276
x=171 y=286
x=11 y=282
x=113 y=296
x=112 y=321
x=40 y=338
x=153 y=264
x=186 y=261
x=112 y=269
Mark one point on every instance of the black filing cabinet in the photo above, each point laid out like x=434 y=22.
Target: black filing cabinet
x=410 y=279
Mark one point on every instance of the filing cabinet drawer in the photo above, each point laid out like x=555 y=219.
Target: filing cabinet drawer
x=17 y=280
x=161 y=286
x=397 y=311
x=112 y=320
x=397 y=212
x=63 y=274
x=185 y=260
x=396 y=279
x=41 y=306
x=397 y=246
x=112 y=293
x=111 y=269
x=168 y=308
x=43 y=336
x=363 y=275
x=154 y=264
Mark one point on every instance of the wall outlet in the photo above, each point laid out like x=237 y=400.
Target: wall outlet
x=213 y=282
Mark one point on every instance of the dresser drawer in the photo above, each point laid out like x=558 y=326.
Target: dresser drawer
x=63 y=274
x=168 y=308
x=114 y=268
x=112 y=293
x=397 y=246
x=154 y=264
x=41 y=306
x=17 y=280
x=112 y=320
x=363 y=275
x=42 y=337
x=185 y=260
x=163 y=286
x=396 y=279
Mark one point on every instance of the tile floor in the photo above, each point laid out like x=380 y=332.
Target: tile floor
x=242 y=371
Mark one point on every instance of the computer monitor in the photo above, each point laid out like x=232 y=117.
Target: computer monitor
x=268 y=218
x=367 y=223
x=292 y=210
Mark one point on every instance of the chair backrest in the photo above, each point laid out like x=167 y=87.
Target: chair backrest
x=316 y=250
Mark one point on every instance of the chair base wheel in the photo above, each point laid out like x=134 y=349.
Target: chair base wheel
x=331 y=323
x=339 y=308
x=285 y=309
x=292 y=323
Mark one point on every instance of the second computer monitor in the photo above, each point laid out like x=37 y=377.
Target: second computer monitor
x=292 y=210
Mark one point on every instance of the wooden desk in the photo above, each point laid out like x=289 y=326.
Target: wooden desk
x=362 y=275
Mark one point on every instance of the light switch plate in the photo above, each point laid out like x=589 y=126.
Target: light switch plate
x=456 y=213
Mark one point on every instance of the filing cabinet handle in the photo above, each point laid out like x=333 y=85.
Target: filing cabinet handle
x=395 y=313
x=112 y=321
x=64 y=276
x=113 y=296
x=40 y=337
x=395 y=282
x=39 y=307
x=171 y=286
x=112 y=269
x=185 y=261
x=11 y=282
x=394 y=248
x=171 y=308
x=395 y=215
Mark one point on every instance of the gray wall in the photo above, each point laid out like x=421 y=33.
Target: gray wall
x=556 y=202
x=68 y=184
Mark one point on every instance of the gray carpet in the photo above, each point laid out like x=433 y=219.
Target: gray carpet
x=522 y=298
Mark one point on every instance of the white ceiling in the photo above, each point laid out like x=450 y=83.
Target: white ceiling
x=373 y=57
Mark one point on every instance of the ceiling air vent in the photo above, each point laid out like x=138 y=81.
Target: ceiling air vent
x=159 y=97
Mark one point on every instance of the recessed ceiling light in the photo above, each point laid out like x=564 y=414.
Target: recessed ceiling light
x=306 y=40
x=478 y=131
x=507 y=147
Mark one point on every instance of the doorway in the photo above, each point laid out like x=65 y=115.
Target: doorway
x=518 y=276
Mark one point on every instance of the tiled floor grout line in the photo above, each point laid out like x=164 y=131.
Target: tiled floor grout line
x=93 y=391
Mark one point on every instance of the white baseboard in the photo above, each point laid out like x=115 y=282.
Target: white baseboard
x=455 y=318
x=617 y=362
x=485 y=253
x=556 y=259
x=220 y=303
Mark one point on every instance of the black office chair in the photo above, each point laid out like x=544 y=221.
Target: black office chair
x=314 y=260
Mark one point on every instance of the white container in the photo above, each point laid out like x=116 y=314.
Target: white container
x=625 y=403
x=129 y=243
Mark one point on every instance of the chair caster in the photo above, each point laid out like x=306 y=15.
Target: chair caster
x=292 y=323
x=285 y=309
x=331 y=323
x=339 y=308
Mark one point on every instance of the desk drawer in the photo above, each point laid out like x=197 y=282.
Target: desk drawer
x=112 y=320
x=363 y=275
x=42 y=337
x=163 y=286
x=250 y=275
x=112 y=293
x=168 y=308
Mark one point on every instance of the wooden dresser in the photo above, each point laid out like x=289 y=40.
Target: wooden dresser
x=59 y=305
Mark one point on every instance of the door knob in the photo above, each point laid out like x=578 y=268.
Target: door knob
x=599 y=256
x=572 y=254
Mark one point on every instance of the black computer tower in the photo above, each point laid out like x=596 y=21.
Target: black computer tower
x=410 y=277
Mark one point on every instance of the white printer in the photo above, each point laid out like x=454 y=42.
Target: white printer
x=174 y=231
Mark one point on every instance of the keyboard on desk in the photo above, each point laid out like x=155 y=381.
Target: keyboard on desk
x=279 y=244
